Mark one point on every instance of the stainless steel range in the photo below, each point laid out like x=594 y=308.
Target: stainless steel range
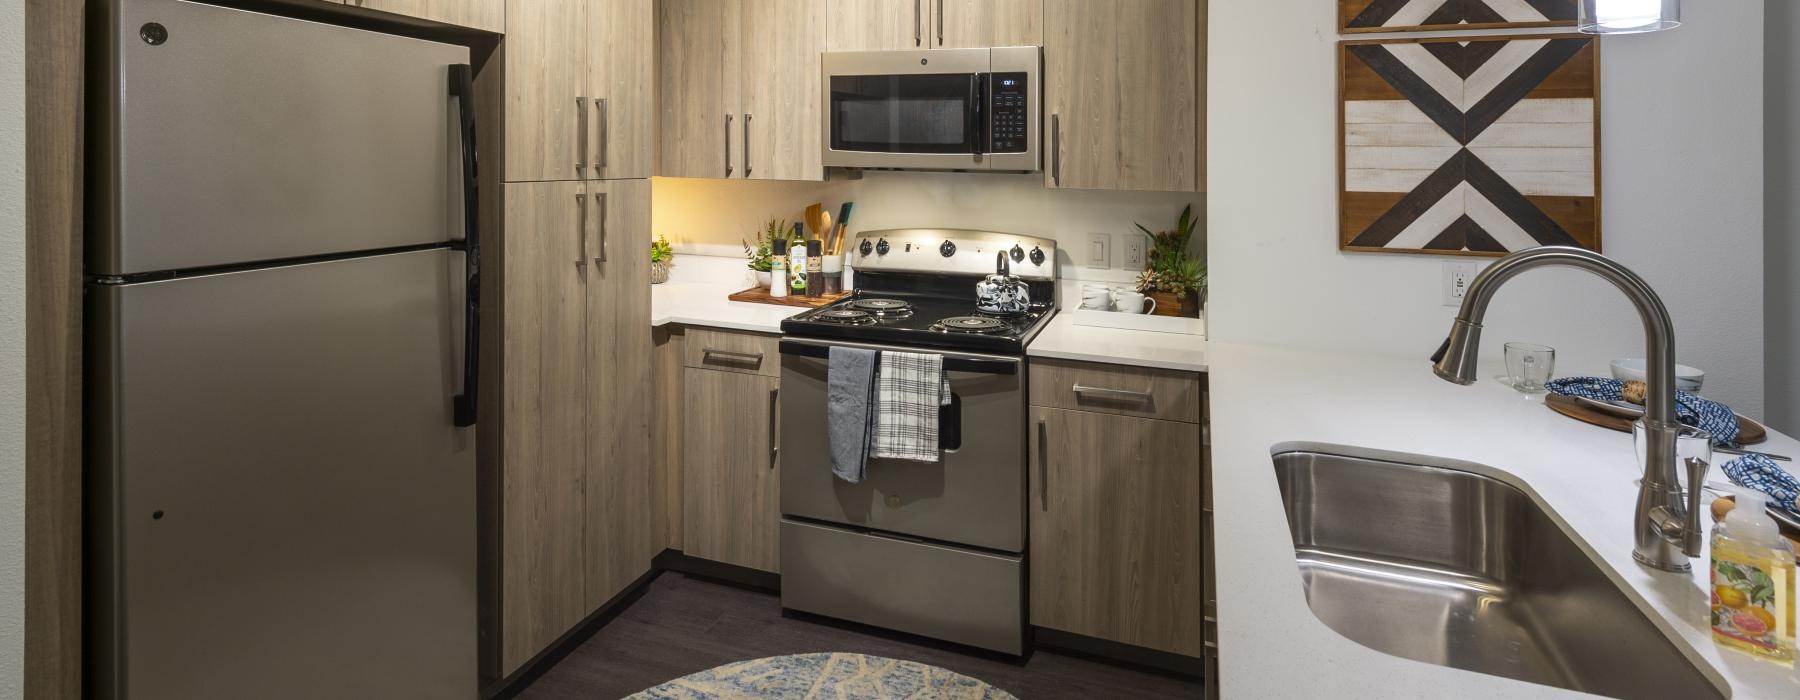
x=935 y=549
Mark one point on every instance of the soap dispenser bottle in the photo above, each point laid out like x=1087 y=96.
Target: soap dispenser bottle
x=1752 y=582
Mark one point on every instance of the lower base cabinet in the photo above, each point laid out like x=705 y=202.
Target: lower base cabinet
x=1115 y=513
x=731 y=467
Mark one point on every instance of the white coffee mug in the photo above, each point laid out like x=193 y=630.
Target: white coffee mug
x=1133 y=303
x=1096 y=297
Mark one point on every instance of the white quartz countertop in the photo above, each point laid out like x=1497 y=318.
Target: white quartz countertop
x=1062 y=339
x=1267 y=400
x=705 y=304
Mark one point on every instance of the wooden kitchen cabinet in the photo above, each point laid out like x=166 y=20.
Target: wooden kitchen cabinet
x=619 y=536
x=544 y=413
x=878 y=25
x=874 y=25
x=578 y=89
x=1121 y=94
x=486 y=15
x=575 y=479
x=959 y=24
x=731 y=470
x=741 y=96
x=1134 y=580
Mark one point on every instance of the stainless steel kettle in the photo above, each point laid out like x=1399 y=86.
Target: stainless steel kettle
x=1002 y=293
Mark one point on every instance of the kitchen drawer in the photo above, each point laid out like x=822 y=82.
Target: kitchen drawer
x=957 y=595
x=1119 y=389
x=748 y=353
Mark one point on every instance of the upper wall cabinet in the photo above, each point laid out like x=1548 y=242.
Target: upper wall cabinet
x=487 y=15
x=1121 y=94
x=879 y=25
x=741 y=96
x=579 y=101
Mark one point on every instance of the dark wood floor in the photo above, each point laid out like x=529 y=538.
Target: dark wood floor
x=683 y=625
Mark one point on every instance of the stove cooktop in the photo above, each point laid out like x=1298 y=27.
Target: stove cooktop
x=913 y=319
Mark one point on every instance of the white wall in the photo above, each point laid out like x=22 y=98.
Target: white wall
x=1783 y=209
x=711 y=216
x=12 y=348
x=1681 y=188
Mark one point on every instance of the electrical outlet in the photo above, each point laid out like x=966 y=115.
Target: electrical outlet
x=1457 y=276
x=1132 y=253
x=1099 y=254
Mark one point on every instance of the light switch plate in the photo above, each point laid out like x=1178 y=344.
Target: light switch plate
x=1099 y=254
x=1131 y=253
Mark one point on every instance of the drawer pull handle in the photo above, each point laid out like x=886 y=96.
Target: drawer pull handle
x=774 y=434
x=1116 y=394
x=1043 y=466
x=710 y=353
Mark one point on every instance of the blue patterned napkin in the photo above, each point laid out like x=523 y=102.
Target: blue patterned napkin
x=1706 y=414
x=1763 y=474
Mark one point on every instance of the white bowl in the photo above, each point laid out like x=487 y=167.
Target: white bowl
x=1687 y=378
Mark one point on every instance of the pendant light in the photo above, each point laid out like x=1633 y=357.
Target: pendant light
x=1629 y=16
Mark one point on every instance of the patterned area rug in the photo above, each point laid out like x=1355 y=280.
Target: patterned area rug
x=837 y=676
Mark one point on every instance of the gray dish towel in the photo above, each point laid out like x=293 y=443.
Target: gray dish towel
x=909 y=389
x=850 y=410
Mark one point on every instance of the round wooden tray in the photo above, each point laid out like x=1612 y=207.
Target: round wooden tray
x=1749 y=432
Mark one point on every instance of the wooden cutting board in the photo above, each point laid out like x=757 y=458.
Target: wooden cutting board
x=1749 y=432
x=759 y=295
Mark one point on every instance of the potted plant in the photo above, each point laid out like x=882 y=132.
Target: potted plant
x=661 y=254
x=1174 y=278
x=761 y=256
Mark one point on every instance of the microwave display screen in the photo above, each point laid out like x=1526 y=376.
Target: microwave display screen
x=904 y=113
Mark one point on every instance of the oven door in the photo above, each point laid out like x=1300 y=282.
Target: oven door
x=974 y=495
x=906 y=109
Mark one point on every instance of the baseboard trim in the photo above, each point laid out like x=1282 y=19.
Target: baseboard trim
x=510 y=686
x=674 y=560
x=1117 y=652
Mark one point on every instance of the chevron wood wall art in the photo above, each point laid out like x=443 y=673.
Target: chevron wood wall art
x=1420 y=15
x=1469 y=146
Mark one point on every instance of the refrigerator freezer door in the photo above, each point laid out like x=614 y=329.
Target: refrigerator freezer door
x=237 y=137
x=290 y=511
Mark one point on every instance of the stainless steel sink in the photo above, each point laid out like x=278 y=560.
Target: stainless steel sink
x=1462 y=570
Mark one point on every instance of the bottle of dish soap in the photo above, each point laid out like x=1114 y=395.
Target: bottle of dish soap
x=1752 y=582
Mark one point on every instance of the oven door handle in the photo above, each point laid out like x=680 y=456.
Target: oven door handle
x=952 y=362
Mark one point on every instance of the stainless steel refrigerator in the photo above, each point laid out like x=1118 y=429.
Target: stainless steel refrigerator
x=281 y=304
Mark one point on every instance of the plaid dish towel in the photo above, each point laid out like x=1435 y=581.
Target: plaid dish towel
x=909 y=388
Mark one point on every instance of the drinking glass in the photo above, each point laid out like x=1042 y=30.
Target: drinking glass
x=1530 y=366
x=1690 y=443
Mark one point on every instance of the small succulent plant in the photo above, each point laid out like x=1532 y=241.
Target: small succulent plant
x=1170 y=268
x=761 y=257
x=661 y=251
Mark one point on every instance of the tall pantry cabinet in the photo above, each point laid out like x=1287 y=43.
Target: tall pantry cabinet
x=574 y=475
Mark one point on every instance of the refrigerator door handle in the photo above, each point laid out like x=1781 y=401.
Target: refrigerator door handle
x=462 y=87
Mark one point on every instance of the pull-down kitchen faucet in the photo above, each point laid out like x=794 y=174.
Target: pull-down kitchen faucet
x=1667 y=527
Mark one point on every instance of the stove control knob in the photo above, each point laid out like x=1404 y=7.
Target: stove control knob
x=1018 y=253
x=1037 y=255
x=866 y=247
x=947 y=249
x=882 y=247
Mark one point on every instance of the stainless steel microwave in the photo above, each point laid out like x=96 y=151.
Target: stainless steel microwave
x=939 y=109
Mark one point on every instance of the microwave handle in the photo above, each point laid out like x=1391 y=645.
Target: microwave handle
x=978 y=127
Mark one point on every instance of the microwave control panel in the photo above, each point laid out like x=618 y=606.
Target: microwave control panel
x=1009 y=113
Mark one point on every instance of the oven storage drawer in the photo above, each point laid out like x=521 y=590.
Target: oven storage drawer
x=958 y=595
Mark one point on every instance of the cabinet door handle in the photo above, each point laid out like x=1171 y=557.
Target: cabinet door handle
x=708 y=354
x=1043 y=466
x=917 y=39
x=1118 y=394
x=774 y=434
x=940 y=22
x=581 y=129
x=727 y=145
x=1056 y=149
x=605 y=116
x=600 y=201
x=746 y=145
x=581 y=231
